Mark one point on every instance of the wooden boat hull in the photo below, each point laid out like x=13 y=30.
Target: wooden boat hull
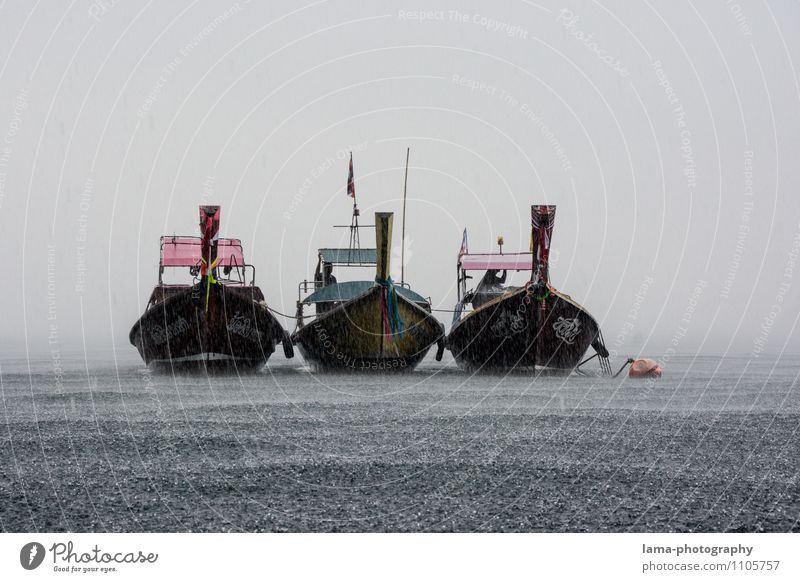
x=513 y=333
x=177 y=331
x=350 y=337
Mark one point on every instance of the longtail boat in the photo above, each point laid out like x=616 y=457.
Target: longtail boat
x=498 y=327
x=219 y=319
x=372 y=325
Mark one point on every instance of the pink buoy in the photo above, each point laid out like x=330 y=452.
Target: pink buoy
x=644 y=368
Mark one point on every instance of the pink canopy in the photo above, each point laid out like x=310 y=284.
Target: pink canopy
x=510 y=262
x=184 y=251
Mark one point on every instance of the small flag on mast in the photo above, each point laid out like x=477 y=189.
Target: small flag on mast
x=351 y=182
x=464 y=246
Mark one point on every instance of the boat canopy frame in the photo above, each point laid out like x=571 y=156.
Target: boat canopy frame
x=185 y=251
x=344 y=257
x=521 y=261
x=348 y=257
x=335 y=257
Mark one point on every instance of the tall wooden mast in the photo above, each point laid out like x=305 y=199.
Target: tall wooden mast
x=403 y=235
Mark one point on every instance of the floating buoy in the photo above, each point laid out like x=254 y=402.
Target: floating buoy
x=644 y=368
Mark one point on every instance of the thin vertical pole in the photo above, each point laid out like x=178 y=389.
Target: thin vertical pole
x=533 y=325
x=403 y=235
x=355 y=241
x=533 y=250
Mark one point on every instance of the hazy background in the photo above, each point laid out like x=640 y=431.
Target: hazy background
x=666 y=133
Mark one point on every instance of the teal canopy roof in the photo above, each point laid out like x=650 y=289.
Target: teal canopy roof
x=352 y=289
x=349 y=256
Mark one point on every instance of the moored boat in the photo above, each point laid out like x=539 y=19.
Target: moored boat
x=219 y=319
x=497 y=327
x=372 y=325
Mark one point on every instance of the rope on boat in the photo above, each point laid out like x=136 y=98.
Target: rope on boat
x=289 y=316
x=627 y=362
x=605 y=365
x=607 y=371
x=578 y=367
x=276 y=312
x=392 y=322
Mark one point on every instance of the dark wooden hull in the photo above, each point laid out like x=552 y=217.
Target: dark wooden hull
x=510 y=333
x=237 y=331
x=349 y=338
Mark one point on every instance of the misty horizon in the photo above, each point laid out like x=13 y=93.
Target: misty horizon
x=664 y=138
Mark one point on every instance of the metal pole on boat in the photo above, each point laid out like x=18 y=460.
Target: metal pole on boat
x=355 y=242
x=403 y=236
x=532 y=343
x=533 y=248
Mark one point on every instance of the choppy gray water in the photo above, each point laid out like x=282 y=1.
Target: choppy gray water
x=712 y=446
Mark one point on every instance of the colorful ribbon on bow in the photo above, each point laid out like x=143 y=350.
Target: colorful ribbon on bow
x=390 y=310
x=210 y=278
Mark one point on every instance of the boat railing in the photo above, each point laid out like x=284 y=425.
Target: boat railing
x=223 y=273
x=241 y=273
x=305 y=285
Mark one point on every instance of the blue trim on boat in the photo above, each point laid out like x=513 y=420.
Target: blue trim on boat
x=351 y=289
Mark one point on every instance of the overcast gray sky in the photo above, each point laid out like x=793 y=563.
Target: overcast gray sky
x=666 y=133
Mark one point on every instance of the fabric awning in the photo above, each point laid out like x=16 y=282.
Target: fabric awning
x=509 y=262
x=184 y=251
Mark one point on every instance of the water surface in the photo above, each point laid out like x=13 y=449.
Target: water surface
x=112 y=446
